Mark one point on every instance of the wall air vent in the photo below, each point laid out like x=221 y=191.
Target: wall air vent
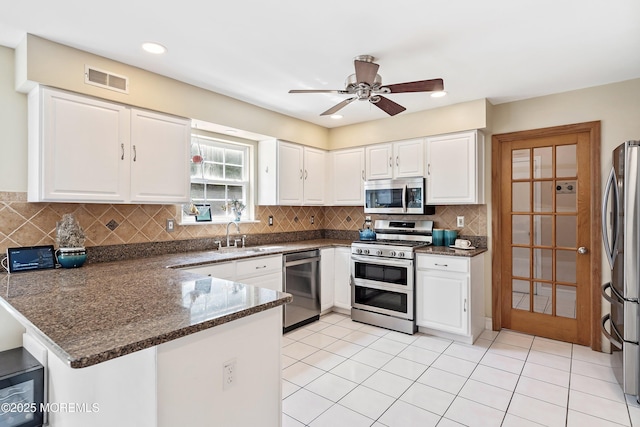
x=105 y=79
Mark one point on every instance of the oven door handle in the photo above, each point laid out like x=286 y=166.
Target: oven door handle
x=383 y=261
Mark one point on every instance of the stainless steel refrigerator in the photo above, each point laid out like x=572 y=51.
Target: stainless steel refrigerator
x=621 y=236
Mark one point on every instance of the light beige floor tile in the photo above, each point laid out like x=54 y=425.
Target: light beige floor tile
x=504 y=363
x=405 y=368
x=442 y=380
x=542 y=390
x=331 y=386
x=305 y=406
x=473 y=414
x=579 y=419
x=544 y=373
x=515 y=338
x=599 y=407
x=402 y=414
x=604 y=389
x=388 y=346
x=454 y=365
x=537 y=411
x=339 y=416
x=550 y=360
x=324 y=360
x=368 y=402
x=318 y=340
x=428 y=398
x=301 y=374
x=353 y=371
x=388 y=383
x=495 y=377
x=486 y=394
x=372 y=357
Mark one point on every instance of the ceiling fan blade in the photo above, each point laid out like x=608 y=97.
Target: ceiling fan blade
x=317 y=91
x=388 y=106
x=419 y=86
x=339 y=106
x=366 y=71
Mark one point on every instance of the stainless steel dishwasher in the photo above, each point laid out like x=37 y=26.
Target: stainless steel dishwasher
x=302 y=280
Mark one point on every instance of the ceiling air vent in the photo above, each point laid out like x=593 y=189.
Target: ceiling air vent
x=105 y=79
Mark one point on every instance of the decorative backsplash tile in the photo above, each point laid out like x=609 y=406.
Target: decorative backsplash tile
x=26 y=224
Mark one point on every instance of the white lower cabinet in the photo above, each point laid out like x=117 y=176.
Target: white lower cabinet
x=264 y=272
x=450 y=296
x=342 y=278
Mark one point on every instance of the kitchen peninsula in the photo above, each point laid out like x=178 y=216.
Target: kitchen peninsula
x=148 y=344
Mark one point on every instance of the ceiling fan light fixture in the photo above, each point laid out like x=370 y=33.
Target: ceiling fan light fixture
x=438 y=94
x=155 y=48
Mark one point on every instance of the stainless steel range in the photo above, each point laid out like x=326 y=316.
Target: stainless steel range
x=383 y=274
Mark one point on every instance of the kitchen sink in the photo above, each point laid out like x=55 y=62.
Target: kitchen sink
x=249 y=250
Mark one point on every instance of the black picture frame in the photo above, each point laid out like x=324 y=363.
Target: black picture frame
x=204 y=214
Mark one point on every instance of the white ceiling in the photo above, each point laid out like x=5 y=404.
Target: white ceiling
x=256 y=50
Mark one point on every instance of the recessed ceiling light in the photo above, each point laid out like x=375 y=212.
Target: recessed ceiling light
x=231 y=131
x=336 y=116
x=438 y=94
x=154 y=48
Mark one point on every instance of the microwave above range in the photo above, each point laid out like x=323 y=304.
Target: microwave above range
x=396 y=196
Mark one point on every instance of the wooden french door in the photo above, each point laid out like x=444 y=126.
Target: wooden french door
x=544 y=222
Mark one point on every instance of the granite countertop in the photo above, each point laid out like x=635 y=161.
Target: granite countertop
x=445 y=250
x=101 y=311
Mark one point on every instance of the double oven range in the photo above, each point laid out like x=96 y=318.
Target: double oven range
x=383 y=274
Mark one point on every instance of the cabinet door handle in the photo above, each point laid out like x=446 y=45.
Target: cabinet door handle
x=390 y=161
x=441 y=265
x=363 y=175
x=122 y=147
x=260 y=267
x=305 y=174
x=428 y=168
x=397 y=160
x=300 y=173
x=135 y=153
x=465 y=305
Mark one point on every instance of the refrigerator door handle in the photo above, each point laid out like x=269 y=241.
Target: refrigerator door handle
x=612 y=340
x=609 y=249
x=607 y=296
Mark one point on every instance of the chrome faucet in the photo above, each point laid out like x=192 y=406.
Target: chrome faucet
x=237 y=230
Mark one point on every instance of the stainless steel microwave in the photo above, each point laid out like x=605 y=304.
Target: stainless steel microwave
x=395 y=196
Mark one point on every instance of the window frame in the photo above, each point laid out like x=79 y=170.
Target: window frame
x=248 y=181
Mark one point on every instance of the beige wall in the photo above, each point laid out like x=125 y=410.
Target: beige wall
x=45 y=62
x=13 y=128
x=453 y=118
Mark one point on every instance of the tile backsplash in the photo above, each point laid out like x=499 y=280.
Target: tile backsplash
x=26 y=224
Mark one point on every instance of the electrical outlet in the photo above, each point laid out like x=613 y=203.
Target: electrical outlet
x=228 y=374
x=367 y=218
x=270 y=220
x=460 y=221
x=171 y=226
x=312 y=219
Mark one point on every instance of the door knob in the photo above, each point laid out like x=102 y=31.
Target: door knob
x=582 y=250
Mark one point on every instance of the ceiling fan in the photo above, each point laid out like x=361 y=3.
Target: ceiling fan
x=366 y=85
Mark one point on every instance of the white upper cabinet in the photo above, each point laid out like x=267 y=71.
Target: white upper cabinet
x=347 y=177
x=290 y=174
x=379 y=161
x=159 y=158
x=399 y=159
x=455 y=169
x=315 y=165
x=83 y=149
x=78 y=148
x=408 y=158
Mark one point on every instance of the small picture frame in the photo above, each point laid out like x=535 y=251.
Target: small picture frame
x=204 y=214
